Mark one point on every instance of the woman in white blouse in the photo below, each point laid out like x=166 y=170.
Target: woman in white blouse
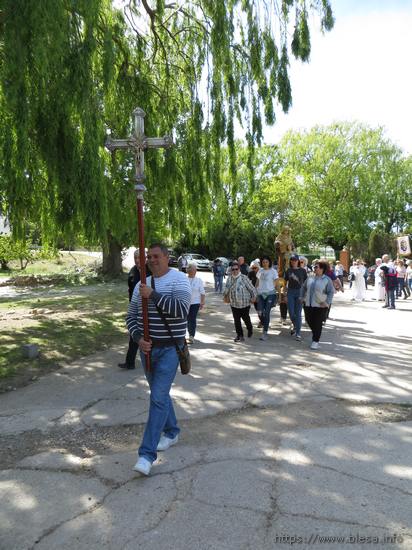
x=197 y=302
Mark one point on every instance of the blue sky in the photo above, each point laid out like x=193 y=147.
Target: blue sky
x=361 y=70
x=357 y=7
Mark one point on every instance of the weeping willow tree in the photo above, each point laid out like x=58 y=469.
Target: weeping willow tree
x=72 y=71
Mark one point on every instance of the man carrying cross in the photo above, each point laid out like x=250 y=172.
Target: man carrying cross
x=168 y=292
x=166 y=296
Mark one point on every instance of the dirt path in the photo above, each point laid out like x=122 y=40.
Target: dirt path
x=280 y=445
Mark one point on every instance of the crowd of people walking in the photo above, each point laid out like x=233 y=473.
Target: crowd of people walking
x=175 y=299
x=311 y=288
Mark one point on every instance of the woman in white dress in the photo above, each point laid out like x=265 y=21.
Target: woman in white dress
x=379 y=290
x=358 y=286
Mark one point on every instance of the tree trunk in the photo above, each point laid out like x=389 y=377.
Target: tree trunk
x=112 y=258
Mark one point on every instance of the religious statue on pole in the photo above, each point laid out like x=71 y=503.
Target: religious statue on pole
x=138 y=143
x=284 y=248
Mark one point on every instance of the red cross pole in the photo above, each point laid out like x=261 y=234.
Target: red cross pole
x=138 y=143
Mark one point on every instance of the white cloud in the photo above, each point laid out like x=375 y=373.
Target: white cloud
x=358 y=71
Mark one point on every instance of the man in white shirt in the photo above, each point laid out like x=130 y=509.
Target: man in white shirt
x=197 y=300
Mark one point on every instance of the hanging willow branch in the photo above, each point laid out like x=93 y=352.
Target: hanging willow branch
x=72 y=71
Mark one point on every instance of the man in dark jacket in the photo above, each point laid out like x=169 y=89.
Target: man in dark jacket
x=244 y=268
x=132 y=280
x=391 y=283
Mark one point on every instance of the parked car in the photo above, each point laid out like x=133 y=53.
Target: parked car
x=202 y=263
x=172 y=260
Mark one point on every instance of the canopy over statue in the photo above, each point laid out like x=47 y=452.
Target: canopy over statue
x=284 y=248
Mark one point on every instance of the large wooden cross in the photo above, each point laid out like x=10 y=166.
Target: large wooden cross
x=138 y=143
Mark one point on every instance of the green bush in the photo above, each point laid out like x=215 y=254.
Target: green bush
x=23 y=251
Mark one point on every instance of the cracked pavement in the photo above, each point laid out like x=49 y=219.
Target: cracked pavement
x=280 y=446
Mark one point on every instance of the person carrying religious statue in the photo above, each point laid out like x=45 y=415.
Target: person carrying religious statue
x=132 y=280
x=168 y=293
x=283 y=305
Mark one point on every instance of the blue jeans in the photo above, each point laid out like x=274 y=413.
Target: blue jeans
x=218 y=283
x=295 y=308
x=401 y=288
x=162 y=418
x=390 y=297
x=264 y=305
x=191 y=319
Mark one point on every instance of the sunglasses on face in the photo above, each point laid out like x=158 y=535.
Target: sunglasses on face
x=235 y=269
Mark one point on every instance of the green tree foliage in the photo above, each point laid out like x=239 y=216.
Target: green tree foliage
x=73 y=70
x=342 y=180
x=333 y=185
x=6 y=251
x=381 y=243
x=25 y=252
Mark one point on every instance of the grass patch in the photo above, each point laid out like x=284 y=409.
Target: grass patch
x=73 y=323
x=67 y=269
x=63 y=263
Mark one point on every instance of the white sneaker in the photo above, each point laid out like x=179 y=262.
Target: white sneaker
x=166 y=442
x=191 y=339
x=264 y=336
x=314 y=345
x=143 y=466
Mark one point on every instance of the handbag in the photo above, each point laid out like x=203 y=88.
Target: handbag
x=185 y=361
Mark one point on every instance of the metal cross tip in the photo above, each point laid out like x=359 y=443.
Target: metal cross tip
x=109 y=144
x=168 y=141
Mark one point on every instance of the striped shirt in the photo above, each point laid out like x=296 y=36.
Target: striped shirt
x=172 y=296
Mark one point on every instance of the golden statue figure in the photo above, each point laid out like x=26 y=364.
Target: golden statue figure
x=284 y=248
